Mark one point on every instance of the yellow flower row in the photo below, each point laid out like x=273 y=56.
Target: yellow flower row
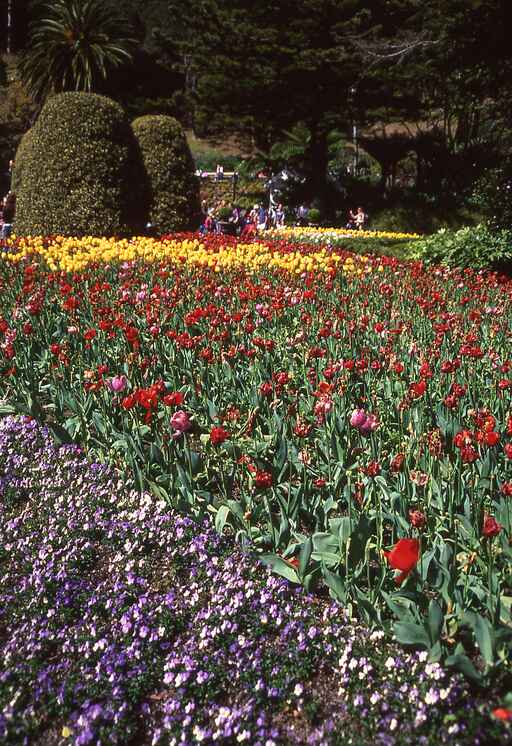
x=324 y=235
x=75 y=254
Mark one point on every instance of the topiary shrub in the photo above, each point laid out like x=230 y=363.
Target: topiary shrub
x=81 y=171
x=22 y=155
x=174 y=188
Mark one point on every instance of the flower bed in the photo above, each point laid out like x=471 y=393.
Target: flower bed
x=384 y=243
x=348 y=417
x=123 y=623
x=314 y=234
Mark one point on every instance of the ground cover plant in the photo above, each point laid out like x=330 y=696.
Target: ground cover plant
x=348 y=417
x=123 y=622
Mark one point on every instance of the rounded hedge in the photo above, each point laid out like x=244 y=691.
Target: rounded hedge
x=20 y=160
x=81 y=171
x=174 y=188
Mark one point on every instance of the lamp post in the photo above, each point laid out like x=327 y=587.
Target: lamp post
x=352 y=94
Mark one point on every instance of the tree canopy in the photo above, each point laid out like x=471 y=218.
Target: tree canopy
x=73 y=46
x=431 y=82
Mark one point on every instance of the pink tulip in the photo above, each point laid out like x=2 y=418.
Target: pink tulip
x=370 y=424
x=358 y=418
x=118 y=383
x=180 y=422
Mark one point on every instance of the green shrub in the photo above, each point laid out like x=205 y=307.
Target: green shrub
x=174 y=188
x=314 y=216
x=22 y=155
x=478 y=247
x=82 y=171
x=492 y=195
x=224 y=213
x=420 y=218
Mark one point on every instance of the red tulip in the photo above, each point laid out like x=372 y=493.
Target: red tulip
x=174 y=399
x=404 y=556
x=490 y=527
x=417 y=518
x=218 y=435
x=503 y=713
x=263 y=480
x=416 y=390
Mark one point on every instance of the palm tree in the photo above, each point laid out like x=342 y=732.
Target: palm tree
x=73 y=47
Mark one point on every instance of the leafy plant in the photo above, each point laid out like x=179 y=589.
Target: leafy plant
x=73 y=46
x=480 y=247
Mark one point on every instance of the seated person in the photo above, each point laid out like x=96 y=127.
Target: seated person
x=249 y=229
x=356 y=220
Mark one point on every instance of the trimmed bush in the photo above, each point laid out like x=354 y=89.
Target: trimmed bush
x=81 y=171
x=174 y=189
x=22 y=154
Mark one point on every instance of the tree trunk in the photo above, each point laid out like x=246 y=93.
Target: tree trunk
x=318 y=161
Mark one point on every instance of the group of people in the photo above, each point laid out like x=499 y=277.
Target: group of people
x=240 y=221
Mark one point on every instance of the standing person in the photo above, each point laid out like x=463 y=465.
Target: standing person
x=249 y=229
x=271 y=217
x=236 y=219
x=261 y=218
x=8 y=215
x=219 y=173
x=280 y=216
x=302 y=214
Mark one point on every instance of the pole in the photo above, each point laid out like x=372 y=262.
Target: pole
x=354 y=140
x=9 y=26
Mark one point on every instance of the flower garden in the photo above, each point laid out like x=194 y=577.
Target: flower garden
x=252 y=492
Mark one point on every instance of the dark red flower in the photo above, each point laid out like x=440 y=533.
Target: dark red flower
x=218 y=435
x=416 y=390
x=129 y=401
x=266 y=389
x=263 y=479
x=174 y=399
x=508 y=450
x=490 y=527
x=302 y=429
x=404 y=556
x=373 y=469
x=463 y=438
x=417 y=518
x=397 y=462
x=468 y=454
x=492 y=438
